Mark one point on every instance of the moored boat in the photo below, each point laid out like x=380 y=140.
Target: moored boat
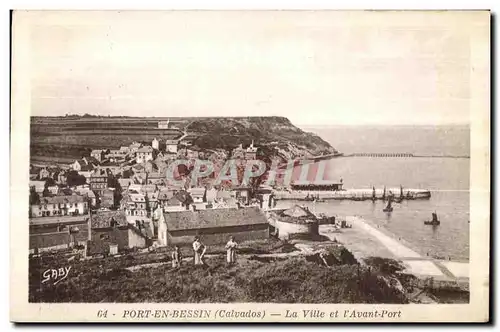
x=388 y=208
x=434 y=222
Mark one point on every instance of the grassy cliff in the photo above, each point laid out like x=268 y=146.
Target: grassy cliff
x=75 y=136
x=252 y=279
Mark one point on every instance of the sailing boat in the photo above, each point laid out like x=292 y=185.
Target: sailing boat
x=401 y=196
x=388 y=208
x=435 y=221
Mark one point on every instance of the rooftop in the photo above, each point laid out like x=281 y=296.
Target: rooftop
x=297 y=215
x=146 y=149
x=103 y=219
x=62 y=199
x=214 y=218
x=58 y=220
x=99 y=172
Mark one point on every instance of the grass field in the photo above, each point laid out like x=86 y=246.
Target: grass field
x=66 y=137
x=255 y=278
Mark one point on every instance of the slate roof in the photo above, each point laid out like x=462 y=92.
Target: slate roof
x=91 y=160
x=62 y=199
x=147 y=149
x=137 y=198
x=102 y=219
x=297 y=214
x=214 y=218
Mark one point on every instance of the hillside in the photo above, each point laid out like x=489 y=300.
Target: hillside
x=74 y=136
x=253 y=279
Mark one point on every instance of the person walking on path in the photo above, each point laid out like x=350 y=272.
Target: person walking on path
x=176 y=258
x=231 y=246
x=199 y=250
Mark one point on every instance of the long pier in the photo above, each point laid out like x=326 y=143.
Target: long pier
x=381 y=155
x=351 y=194
x=398 y=155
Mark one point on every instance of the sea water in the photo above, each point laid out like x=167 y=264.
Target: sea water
x=446 y=178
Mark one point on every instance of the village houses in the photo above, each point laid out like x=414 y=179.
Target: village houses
x=44 y=173
x=99 y=180
x=249 y=153
x=59 y=206
x=144 y=154
x=111 y=233
x=134 y=147
x=171 y=146
x=155 y=144
x=99 y=155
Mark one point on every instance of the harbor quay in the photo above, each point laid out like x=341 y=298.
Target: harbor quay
x=352 y=194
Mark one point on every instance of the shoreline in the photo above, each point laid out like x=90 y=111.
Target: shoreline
x=416 y=263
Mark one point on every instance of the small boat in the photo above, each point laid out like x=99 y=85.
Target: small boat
x=435 y=221
x=388 y=208
x=309 y=198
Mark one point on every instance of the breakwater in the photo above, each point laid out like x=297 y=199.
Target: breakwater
x=352 y=194
x=399 y=155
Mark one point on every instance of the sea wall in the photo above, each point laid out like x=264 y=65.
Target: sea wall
x=285 y=229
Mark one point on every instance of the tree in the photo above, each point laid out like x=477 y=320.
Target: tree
x=34 y=197
x=48 y=182
x=148 y=208
x=75 y=179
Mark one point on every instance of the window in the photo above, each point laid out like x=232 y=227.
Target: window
x=53 y=206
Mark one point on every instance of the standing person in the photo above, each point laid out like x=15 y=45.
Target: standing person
x=199 y=251
x=231 y=246
x=176 y=258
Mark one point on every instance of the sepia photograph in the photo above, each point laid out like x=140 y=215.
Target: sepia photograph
x=258 y=160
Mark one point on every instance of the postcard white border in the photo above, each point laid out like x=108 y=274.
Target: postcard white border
x=476 y=310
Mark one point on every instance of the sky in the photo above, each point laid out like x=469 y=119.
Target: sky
x=316 y=68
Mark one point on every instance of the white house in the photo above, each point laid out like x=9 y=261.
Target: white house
x=198 y=194
x=60 y=206
x=155 y=144
x=144 y=154
x=76 y=166
x=172 y=146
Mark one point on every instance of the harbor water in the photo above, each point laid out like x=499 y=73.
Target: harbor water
x=446 y=178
